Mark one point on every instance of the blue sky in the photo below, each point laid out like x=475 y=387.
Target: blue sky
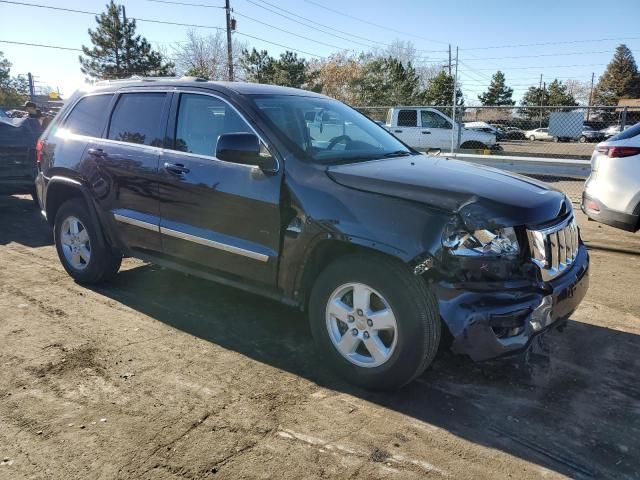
x=431 y=25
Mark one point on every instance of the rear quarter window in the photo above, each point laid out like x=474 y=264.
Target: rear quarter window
x=408 y=118
x=89 y=115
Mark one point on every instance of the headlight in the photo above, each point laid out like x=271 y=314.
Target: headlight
x=501 y=241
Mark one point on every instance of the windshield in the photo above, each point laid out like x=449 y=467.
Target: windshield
x=327 y=131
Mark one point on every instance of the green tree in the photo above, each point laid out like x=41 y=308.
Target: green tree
x=536 y=100
x=387 y=81
x=13 y=90
x=439 y=92
x=118 y=52
x=498 y=94
x=259 y=66
x=620 y=79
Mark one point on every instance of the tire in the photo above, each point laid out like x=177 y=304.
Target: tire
x=532 y=138
x=412 y=345
x=556 y=139
x=473 y=145
x=583 y=139
x=97 y=263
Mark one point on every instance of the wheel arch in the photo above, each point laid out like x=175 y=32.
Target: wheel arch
x=59 y=190
x=327 y=250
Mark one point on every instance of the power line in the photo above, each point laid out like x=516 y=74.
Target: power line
x=543 y=67
x=536 y=56
x=549 y=43
x=163 y=22
x=385 y=27
x=186 y=4
x=287 y=31
x=57 y=47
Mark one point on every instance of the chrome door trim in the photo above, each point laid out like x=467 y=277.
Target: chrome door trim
x=213 y=244
x=136 y=223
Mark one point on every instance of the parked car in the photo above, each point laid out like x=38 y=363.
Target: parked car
x=613 y=130
x=425 y=128
x=612 y=191
x=590 y=134
x=18 y=137
x=508 y=133
x=538 y=134
x=382 y=246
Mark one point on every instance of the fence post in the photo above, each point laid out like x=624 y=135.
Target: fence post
x=623 y=119
x=455 y=99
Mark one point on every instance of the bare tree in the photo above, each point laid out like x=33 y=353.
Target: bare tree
x=206 y=56
x=579 y=90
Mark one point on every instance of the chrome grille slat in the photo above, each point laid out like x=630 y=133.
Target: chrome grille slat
x=554 y=249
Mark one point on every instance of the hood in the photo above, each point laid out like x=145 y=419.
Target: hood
x=483 y=196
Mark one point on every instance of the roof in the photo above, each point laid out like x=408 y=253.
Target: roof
x=632 y=103
x=242 y=88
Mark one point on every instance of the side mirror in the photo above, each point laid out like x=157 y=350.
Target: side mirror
x=434 y=152
x=244 y=148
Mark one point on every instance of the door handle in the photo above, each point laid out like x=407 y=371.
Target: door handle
x=97 y=152
x=426 y=132
x=397 y=131
x=175 y=168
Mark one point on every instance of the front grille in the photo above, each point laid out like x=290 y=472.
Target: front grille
x=554 y=249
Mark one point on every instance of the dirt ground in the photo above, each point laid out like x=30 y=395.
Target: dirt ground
x=163 y=376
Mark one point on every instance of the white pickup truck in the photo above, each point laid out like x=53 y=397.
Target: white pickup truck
x=423 y=128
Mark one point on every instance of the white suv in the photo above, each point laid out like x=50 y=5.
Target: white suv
x=612 y=191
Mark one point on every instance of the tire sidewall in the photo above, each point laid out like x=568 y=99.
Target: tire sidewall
x=92 y=272
x=411 y=334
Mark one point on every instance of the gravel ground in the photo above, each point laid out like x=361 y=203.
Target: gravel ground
x=163 y=376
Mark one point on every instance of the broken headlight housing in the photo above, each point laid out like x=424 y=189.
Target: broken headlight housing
x=492 y=242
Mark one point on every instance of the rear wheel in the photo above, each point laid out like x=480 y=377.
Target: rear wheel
x=583 y=139
x=80 y=252
x=376 y=322
x=532 y=138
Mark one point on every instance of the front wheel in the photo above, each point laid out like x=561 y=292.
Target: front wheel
x=376 y=322
x=583 y=139
x=82 y=255
x=532 y=138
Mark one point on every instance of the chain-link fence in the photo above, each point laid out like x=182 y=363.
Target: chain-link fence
x=552 y=143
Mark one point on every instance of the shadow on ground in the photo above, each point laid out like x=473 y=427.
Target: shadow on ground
x=22 y=222
x=572 y=404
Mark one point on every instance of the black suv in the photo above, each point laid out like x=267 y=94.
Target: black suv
x=296 y=196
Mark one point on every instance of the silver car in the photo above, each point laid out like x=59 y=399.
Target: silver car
x=612 y=191
x=538 y=134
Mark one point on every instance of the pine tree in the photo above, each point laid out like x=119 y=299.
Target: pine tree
x=498 y=94
x=620 y=80
x=439 y=92
x=118 y=52
x=556 y=94
x=387 y=81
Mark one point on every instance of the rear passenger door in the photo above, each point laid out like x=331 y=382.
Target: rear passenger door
x=127 y=163
x=215 y=214
x=407 y=129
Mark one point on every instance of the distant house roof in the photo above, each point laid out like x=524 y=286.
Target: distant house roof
x=630 y=103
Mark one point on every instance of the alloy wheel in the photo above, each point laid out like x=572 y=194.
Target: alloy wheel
x=75 y=243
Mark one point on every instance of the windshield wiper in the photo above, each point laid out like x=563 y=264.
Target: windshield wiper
x=398 y=153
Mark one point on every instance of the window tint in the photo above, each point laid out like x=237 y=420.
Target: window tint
x=136 y=119
x=628 y=133
x=88 y=116
x=433 y=120
x=407 y=118
x=201 y=120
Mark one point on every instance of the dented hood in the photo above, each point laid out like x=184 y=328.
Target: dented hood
x=483 y=196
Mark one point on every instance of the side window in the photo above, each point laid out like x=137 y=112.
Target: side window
x=136 y=119
x=201 y=120
x=88 y=116
x=408 y=118
x=433 y=120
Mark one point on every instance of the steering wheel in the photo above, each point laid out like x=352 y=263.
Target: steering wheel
x=335 y=140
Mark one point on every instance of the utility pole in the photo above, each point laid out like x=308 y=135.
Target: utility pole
x=590 y=96
x=541 y=98
x=31 y=87
x=455 y=128
x=227 y=9
x=126 y=43
x=449 y=59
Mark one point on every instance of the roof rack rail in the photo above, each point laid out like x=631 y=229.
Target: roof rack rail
x=194 y=79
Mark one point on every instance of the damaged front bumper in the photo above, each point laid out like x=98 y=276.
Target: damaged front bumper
x=488 y=322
